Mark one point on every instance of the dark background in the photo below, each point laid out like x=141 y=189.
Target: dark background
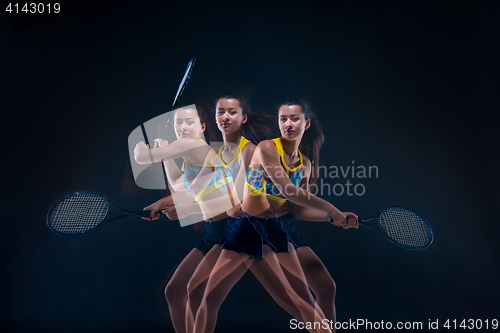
x=408 y=86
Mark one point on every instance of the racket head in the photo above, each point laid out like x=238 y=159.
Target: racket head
x=406 y=228
x=77 y=213
x=184 y=82
x=182 y=85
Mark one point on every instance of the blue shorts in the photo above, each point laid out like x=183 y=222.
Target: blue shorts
x=215 y=233
x=295 y=238
x=249 y=234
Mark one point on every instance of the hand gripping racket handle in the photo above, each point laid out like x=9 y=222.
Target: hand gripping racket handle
x=147 y=213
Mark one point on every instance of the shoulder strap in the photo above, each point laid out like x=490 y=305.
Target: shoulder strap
x=243 y=142
x=279 y=146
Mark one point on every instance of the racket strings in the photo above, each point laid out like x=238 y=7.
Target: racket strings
x=405 y=227
x=78 y=213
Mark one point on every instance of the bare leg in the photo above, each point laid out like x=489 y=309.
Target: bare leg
x=295 y=274
x=273 y=285
x=176 y=290
x=229 y=269
x=259 y=268
x=319 y=280
x=197 y=284
x=304 y=304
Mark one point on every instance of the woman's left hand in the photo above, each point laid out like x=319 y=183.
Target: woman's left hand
x=140 y=151
x=346 y=220
x=351 y=221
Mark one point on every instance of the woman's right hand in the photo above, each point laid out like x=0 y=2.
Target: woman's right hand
x=345 y=220
x=156 y=207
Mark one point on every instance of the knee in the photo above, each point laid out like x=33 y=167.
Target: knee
x=321 y=282
x=175 y=292
x=326 y=287
x=195 y=290
x=330 y=287
x=213 y=301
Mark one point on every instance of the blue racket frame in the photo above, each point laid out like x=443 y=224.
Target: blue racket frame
x=379 y=228
x=105 y=219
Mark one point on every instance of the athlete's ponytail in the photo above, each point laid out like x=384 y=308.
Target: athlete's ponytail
x=256 y=128
x=313 y=136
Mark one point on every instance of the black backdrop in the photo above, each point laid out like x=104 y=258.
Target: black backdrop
x=409 y=87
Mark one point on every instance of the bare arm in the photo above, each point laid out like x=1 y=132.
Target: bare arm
x=247 y=155
x=267 y=154
x=173 y=171
x=190 y=149
x=303 y=212
x=310 y=214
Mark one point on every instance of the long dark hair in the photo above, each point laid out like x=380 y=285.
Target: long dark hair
x=313 y=137
x=256 y=128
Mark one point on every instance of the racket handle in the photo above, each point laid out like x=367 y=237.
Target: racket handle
x=147 y=213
